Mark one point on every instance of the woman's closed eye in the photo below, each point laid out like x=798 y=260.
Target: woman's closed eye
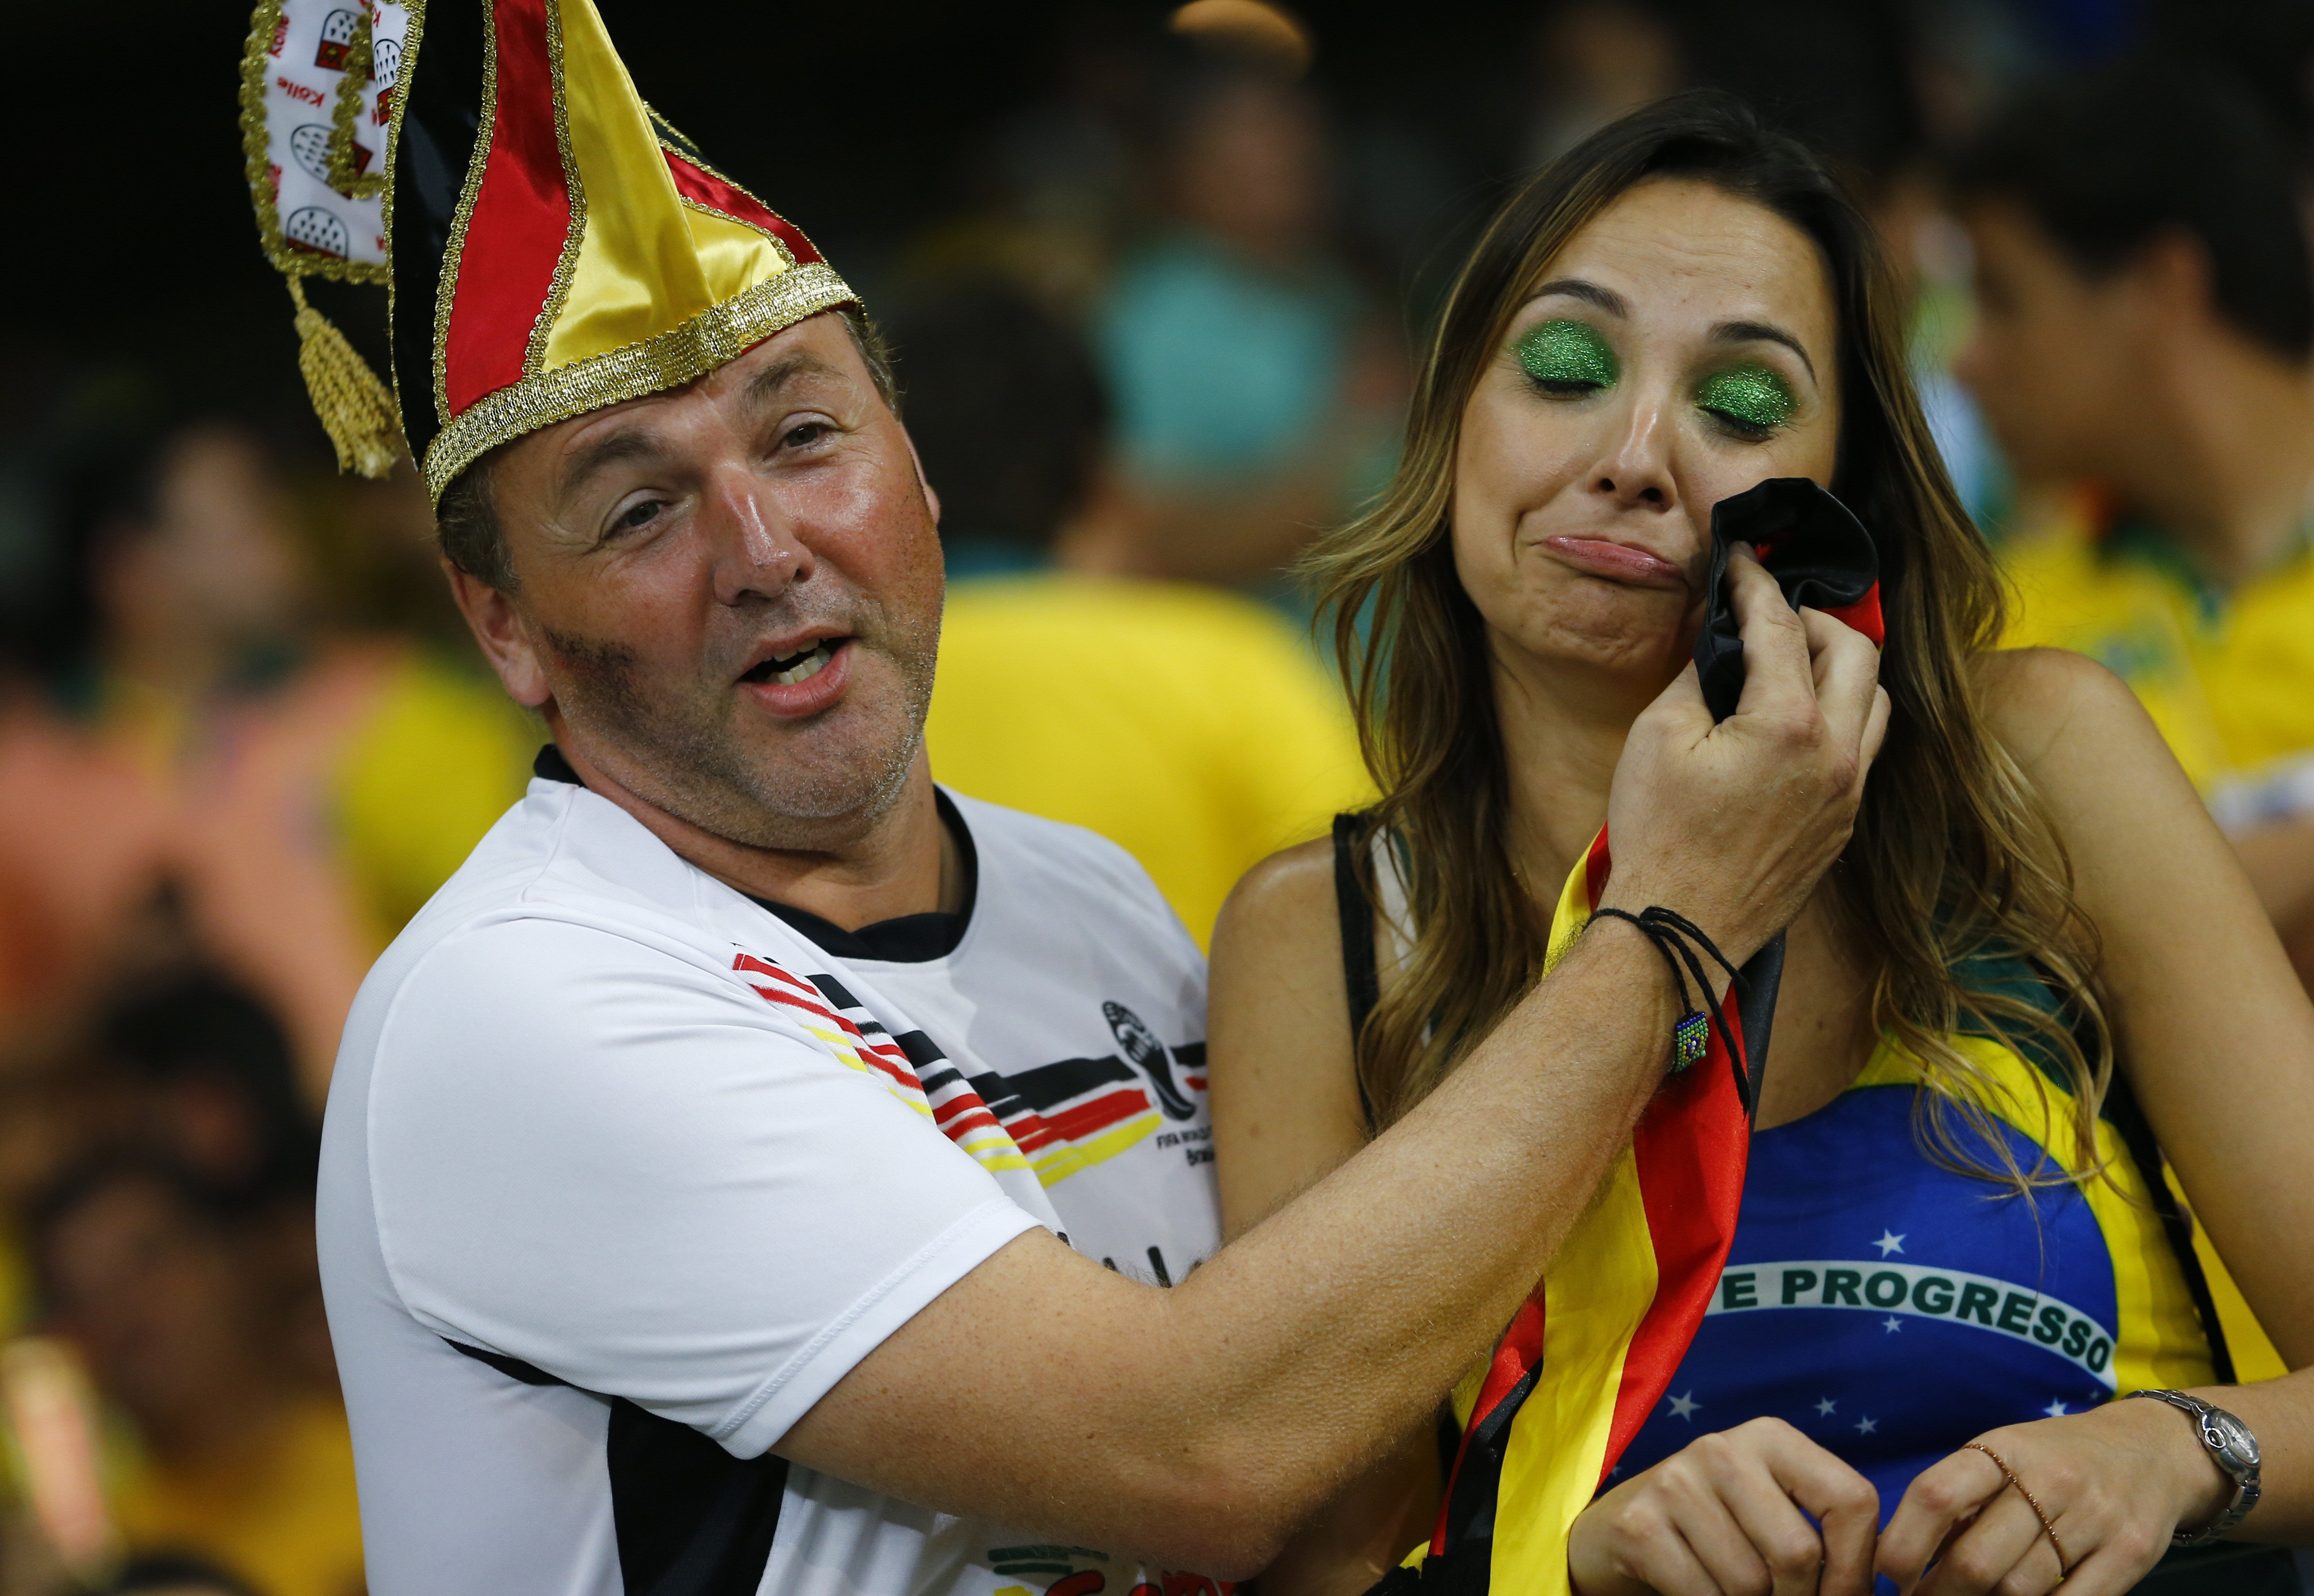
x=1567 y=359
x=1751 y=402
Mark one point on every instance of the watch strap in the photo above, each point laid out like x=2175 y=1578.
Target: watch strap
x=2248 y=1486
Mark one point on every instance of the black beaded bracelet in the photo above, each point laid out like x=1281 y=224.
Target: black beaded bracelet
x=1671 y=934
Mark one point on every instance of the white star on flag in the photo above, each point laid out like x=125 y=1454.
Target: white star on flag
x=1684 y=1405
x=1826 y=1407
x=1892 y=1323
x=2055 y=1410
x=1866 y=1426
x=1890 y=1241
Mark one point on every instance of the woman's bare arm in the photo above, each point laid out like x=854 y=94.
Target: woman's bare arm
x=1285 y=1114
x=1285 y=1104
x=2213 y=1028
x=2216 y=1037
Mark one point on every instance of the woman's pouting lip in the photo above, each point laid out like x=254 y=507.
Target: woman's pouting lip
x=792 y=700
x=1618 y=562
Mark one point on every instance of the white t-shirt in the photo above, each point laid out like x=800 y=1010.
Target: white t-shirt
x=621 y=1172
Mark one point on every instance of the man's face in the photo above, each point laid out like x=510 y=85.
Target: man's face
x=728 y=597
x=2057 y=359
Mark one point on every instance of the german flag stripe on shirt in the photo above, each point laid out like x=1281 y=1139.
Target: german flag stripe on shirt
x=1056 y=1119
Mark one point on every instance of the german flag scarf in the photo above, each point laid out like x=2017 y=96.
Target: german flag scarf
x=1588 y=1357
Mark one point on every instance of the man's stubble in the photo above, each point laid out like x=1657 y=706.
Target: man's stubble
x=683 y=755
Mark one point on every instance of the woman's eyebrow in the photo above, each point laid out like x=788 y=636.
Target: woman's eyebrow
x=1606 y=299
x=1749 y=332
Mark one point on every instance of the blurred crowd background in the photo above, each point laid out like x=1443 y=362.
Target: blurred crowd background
x=1154 y=277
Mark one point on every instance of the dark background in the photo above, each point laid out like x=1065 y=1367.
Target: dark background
x=866 y=123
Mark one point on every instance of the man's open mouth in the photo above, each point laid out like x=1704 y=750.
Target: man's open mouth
x=789 y=669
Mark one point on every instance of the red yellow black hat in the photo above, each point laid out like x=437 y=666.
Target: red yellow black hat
x=551 y=245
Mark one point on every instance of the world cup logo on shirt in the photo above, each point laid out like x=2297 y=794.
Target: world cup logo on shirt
x=1148 y=1054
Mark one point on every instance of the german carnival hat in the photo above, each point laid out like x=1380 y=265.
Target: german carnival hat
x=550 y=244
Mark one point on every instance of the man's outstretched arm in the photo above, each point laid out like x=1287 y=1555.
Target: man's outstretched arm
x=1195 y=1426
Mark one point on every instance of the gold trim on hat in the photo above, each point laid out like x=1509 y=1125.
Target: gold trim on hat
x=558 y=288
x=446 y=286
x=774 y=239
x=715 y=337
x=257 y=164
x=675 y=142
x=413 y=38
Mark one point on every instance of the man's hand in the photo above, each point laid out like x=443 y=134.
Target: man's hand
x=1732 y=825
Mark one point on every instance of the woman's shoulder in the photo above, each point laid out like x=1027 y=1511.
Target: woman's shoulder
x=2050 y=705
x=1291 y=894
x=1278 y=942
x=2091 y=753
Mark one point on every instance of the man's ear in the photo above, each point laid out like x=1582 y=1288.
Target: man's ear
x=923 y=484
x=506 y=643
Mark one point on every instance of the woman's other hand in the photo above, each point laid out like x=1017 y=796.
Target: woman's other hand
x=2116 y=1481
x=1728 y=1513
x=1733 y=823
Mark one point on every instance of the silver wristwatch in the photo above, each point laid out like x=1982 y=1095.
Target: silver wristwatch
x=2232 y=1447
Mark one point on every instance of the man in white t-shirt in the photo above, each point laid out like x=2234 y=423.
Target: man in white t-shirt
x=588 y=1218
x=757 y=1170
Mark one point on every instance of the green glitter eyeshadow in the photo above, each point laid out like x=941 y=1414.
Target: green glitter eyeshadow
x=1752 y=397
x=1568 y=353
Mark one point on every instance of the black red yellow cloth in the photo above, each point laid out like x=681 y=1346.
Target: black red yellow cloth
x=551 y=244
x=1817 y=550
x=1587 y=1358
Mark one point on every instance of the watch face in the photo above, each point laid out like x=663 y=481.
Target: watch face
x=2236 y=1447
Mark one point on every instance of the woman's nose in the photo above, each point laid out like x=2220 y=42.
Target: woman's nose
x=1635 y=472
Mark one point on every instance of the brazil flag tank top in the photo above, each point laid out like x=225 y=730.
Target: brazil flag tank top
x=1891 y=1309
x=1888 y=1308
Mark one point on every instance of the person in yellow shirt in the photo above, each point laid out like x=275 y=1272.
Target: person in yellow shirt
x=227 y=1458
x=2145 y=328
x=2227 y=674
x=1189 y=724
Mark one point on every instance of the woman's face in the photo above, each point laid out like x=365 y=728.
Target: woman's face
x=1683 y=349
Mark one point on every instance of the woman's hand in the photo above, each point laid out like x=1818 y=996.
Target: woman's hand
x=1723 y=1517
x=2114 y=1481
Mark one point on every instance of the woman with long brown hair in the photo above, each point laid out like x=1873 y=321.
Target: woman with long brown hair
x=2036 y=974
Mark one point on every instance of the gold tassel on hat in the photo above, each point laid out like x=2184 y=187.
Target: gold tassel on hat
x=354 y=407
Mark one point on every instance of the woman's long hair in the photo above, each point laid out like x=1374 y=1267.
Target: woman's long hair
x=1953 y=857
